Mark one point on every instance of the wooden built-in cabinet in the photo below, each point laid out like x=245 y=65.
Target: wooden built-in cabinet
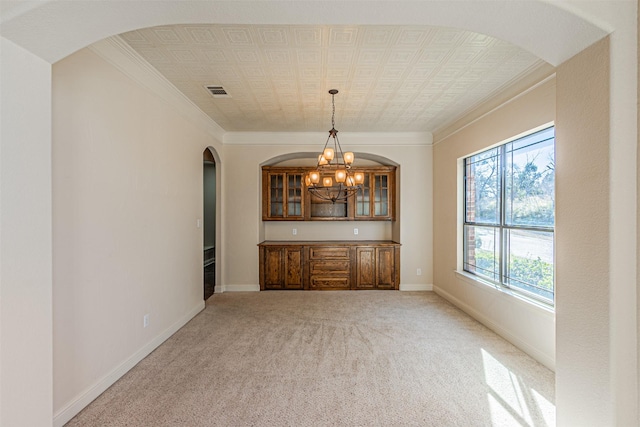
x=334 y=265
x=376 y=267
x=285 y=196
x=281 y=267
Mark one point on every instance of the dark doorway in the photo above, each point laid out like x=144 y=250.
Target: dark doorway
x=209 y=222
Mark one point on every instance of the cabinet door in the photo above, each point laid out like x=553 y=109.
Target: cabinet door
x=375 y=268
x=293 y=268
x=283 y=268
x=275 y=195
x=273 y=268
x=380 y=195
x=365 y=267
x=294 y=196
x=363 y=198
x=376 y=198
x=385 y=268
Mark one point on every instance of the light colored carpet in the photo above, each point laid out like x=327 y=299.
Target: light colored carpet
x=365 y=358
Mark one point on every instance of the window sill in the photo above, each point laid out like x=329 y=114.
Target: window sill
x=494 y=288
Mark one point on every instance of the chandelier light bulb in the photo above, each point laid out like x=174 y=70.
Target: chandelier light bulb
x=351 y=181
x=358 y=178
x=322 y=160
x=327 y=181
x=341 y=175
x=314 y=177
x=328 y=153
x=348 y=158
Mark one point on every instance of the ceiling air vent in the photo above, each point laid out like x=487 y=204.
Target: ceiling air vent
x=218 y=92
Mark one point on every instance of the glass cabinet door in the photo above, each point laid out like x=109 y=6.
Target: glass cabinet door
x=363 y=198
x=294 y=195
x=381 y=195
x=276 y=195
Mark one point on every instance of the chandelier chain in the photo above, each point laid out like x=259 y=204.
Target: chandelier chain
x=333 y=111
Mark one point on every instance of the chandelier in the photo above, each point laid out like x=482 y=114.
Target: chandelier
x=333 y=179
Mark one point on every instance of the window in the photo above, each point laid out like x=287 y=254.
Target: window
x=509 y=215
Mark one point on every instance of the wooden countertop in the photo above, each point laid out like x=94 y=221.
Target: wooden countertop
x=329 y=242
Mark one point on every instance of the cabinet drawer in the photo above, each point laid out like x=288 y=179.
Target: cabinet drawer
x=329 y=252
x=331 y=268
x=323 y=282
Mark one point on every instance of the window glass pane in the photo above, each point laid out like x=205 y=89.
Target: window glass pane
x=482 y=187
x=530 y=180
x=482 y=251
x=530 y=262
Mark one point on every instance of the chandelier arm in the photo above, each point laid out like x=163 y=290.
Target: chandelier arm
x=339 y=149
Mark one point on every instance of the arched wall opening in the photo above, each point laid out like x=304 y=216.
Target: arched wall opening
x=26 y=70
x=567 y=30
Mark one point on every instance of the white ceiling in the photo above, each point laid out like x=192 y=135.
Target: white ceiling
x=390 y=78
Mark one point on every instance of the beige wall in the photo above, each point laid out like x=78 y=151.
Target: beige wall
x=582 y=244
x=25 y=239
x=244 y=215
x=127 y=191
x=529 y=327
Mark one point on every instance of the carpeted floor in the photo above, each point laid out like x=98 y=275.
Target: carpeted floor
x=365 y=358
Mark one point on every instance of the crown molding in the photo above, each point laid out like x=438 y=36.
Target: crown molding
x=318 y=138
x=118 y=53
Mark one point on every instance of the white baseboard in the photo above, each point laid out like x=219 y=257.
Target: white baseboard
x=415 y=287
x=240 y=288
x=532 y=351
x=218 y=289
x=83 y=399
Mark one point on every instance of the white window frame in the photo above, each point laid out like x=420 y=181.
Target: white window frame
x=502 y=228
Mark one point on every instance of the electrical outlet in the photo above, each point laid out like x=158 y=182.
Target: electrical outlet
x=355 y=231
x=294 y=231
x=419 y=272
x=145 y=321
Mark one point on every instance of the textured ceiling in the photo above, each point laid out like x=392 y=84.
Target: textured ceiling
x=390 y=78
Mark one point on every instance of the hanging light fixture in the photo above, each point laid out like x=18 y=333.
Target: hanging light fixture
x=333 y=179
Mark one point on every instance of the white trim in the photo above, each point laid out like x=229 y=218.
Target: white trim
x=240 y=288
x=545 y=359
x=86 y=397
x=118 y=53
x=416 y=287
x=314 y=138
